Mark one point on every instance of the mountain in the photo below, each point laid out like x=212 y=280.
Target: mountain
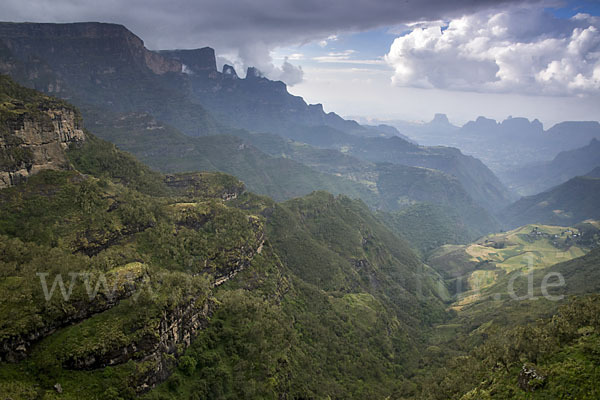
x=254 y=103
x=121 y=282
x=106 y=67
x=168 y=150
x=180 y=284
x=290 y=169
x=595 y=173
x=395 y=186
x=570 y=135
x=569 y=203
x=538 y=177
x=478 y=181
x=507 y=146
x=99 y=64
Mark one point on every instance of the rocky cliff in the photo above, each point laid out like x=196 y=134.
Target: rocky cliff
x=34 y=135
x=64 y=43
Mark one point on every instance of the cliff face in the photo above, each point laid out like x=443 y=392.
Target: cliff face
x=34 y=137
x=102 y=65
x=111 y=63
x=62 y=44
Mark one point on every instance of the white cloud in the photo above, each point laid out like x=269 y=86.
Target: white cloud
x=335 y=56
x=288 y=73
x=523 y=50
x=259 y=55
x=325 y=42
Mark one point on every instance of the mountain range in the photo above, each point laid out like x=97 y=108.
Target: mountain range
x=348 y=262
x=192 y=117
x=566 y=204
x=538 y=177
x=504 y=146
x=183 y=257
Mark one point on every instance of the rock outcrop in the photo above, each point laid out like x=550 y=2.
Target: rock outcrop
x=205 y=185
x=530 y=379
x=196 y=60
x=34 y=137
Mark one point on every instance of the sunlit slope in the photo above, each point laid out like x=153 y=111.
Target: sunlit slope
x=474 y=267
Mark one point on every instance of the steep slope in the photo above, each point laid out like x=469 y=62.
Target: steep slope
x=382 y=186
x=539 y=177
x=595 y=173
x=188 y=279
x=396 y=186
x=567 y=204
x=481 y=184
x=168 y=150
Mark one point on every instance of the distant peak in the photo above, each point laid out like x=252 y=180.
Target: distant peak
x=253 y=73
x=195 y=59
x=229 y=71
x=484 y=119
x=440 y=119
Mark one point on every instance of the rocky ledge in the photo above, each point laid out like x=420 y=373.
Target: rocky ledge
x=32 y=140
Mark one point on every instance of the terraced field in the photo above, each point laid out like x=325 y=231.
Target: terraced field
x=479 y=265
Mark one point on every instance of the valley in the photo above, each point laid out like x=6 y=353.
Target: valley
x=172 y=230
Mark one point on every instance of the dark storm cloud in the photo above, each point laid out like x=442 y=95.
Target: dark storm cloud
x=248 y=28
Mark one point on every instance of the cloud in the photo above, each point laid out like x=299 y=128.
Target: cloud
x=244 y=30
x=523 y=50
x=345 y=57
x=330 y=38
x=335 y=56
x=290 y=74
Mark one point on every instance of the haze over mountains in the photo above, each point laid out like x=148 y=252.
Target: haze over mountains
x=105 y=68
x=253 y=246
x=175 y=111
x=507 y=145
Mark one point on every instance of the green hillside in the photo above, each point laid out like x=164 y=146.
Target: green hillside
x=472 y=268
x=166 y=149
x=567 y=204
x=188 y=284
x=553 y=358
x=427 y=227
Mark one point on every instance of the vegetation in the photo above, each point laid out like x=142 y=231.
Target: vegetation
x=187 y=286
x=168 y=150
x=566 y=204
x=471 y=269
x=147 y=262
x=550 y=359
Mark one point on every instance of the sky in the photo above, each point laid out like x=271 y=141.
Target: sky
x=382 y=59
